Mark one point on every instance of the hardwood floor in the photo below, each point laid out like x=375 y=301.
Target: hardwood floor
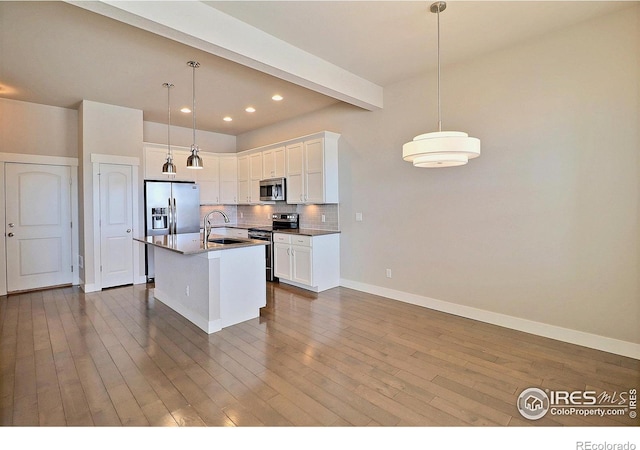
x=339 y=358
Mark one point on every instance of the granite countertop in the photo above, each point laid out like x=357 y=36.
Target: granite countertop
x=191 y=243
x=302 y=231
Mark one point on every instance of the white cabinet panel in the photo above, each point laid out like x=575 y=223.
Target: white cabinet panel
x=274 y=164
x=228 y=180
x=209 y=179
x=155 y=155
x=312 y=170
x=308 y=262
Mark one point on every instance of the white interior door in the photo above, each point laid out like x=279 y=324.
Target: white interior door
x=38 y=227
x=116 y=225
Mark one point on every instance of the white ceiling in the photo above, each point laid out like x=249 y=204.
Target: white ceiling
x=57 y=53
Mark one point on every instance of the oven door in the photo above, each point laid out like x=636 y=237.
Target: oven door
x=268 y=250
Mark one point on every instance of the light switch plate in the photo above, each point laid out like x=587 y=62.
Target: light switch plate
x=358 y=217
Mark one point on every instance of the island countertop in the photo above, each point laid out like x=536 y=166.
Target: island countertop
x=191 y=243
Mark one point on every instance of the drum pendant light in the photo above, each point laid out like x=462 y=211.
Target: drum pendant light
x=194 y=161
x=441 y=148
x=168 y=168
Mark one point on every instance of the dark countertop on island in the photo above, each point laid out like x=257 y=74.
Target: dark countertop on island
x=191 y=243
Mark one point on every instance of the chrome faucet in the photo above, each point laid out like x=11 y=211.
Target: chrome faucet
x=207 y=225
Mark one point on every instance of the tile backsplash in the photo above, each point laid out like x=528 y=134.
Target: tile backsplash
x=310 y=215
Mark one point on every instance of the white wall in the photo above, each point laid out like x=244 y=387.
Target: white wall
x=207 y=141
x=542 y=227
x=29 y=128
x=105 y=130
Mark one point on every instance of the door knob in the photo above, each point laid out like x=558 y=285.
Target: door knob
x=129 y=230
x=11 y=225
x=10 y=235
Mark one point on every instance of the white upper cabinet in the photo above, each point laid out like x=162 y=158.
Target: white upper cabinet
x=155 y=155
x=228 y=179
x=243 y=180
x=274 y=163
x=249 y=176
x=209 y=179
x=255 y=175
x=312 y=170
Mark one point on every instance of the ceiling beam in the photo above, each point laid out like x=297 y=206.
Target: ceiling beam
x=200 y=26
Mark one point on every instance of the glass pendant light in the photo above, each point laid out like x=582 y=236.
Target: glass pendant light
x=168 y=168
x=441 y=148
x=194 y=161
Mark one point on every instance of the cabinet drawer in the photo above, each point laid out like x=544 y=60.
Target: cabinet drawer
x=282 y=238
x=304 y=241
x=238 y=232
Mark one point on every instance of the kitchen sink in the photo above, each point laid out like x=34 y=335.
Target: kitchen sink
x=226 y=241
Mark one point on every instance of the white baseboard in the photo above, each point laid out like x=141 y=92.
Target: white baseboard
x=89 y=287
x=606 y=344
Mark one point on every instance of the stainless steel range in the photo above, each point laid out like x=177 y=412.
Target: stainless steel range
x=287 y=221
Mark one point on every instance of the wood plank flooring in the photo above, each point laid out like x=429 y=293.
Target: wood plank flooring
x=339 y=358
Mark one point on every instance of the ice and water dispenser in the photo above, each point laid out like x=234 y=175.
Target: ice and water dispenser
x=159 y=218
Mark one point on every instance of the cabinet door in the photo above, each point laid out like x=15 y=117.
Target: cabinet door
x=302 y=265
x=314 y=171
x=243 y=192
x=280 y=169
x=208 y=179
x=282 y=261
x=295 y=176
x=255 y=175
x=268 y=164
x=274 y=163
x=228 y=180
x=243 y=180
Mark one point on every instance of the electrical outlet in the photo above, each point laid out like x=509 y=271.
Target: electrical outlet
x=186 y=291
x=241 y=215
x=324 y=218
x=388 y=273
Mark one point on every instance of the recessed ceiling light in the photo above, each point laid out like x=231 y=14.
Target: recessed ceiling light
x=250 y=109
x=227 y=119
x=277 y=97
x=185 y=110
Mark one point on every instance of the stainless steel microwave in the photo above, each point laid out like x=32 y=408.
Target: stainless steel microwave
x=273 y=189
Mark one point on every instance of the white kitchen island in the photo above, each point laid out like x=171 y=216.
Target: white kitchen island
x=214 y=285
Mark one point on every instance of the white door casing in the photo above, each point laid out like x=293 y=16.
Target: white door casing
x=38 y=226
x=116 y=225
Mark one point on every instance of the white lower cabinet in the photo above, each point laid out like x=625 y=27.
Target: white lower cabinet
x=308 y=262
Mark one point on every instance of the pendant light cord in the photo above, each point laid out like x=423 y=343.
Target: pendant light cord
x=439 y=103
x=194 y=104
x=169 y=86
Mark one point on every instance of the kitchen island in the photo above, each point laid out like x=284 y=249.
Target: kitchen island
x=213 y=285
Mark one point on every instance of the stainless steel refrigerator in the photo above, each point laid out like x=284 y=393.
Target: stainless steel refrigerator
x=170 y=208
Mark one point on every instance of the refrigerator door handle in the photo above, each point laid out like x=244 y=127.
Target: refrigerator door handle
x=175 y=217
x=170 y=216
